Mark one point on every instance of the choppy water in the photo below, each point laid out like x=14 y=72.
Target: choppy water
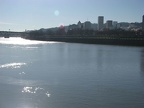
x=35 y=74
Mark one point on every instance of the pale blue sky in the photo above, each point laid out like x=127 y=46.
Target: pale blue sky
x=19 y=15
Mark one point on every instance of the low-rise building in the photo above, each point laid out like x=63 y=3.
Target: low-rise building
x=79 y=25
x=115 y=24
x=109 y=24
x=94 y=26
x=73 y=26
x=87 y=25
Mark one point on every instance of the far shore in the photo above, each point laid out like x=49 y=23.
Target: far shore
x=106 y=40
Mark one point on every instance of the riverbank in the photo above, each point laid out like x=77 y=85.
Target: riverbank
x=106 y=40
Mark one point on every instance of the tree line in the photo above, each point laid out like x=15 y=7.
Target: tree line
x=82 y=32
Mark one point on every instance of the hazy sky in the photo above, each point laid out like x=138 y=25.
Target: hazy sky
x=19 y=15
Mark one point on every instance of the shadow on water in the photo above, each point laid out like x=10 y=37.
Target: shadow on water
x=100 y=61
x=142 y=62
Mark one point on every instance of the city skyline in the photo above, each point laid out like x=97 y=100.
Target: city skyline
x=18 y=15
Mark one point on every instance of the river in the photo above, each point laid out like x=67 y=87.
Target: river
x=36 y=74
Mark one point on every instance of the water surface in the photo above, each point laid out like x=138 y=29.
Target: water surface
x=36 y=74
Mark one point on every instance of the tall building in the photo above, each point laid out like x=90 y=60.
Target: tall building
x=100 y=22
x=143 y=23
x=109 y=24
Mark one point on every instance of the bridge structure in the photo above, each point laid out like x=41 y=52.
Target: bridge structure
x=8 y=34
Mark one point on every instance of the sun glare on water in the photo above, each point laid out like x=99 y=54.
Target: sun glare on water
x=21 y=41
x=12 y=65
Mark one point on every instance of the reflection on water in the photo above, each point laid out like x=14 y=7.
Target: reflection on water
x=31 y=47
x=21 y=41
x=12 y=65
x=142 y=65
x=142 y=60
x=36 y=90
x=24 y=47
x=22 y=73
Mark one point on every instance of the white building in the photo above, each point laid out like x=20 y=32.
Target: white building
x=87 y=25
x=115 y=24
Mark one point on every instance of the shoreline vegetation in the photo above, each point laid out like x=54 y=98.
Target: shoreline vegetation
x=109 y=37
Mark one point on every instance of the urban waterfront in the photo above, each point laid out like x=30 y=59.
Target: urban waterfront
x=36 y=74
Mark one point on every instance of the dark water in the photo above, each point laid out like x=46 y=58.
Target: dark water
x=65 y=75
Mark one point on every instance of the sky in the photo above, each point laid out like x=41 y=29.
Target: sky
x=21 y=15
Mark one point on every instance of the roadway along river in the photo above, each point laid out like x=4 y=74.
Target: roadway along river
x=35 y=74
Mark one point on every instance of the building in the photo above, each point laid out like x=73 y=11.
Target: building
x=143 y=23
x=115 y=24
x=79 y=25
x=72 y=27
x=87 y=25
x=100 y=23
x=94 y=26
x=109 y=24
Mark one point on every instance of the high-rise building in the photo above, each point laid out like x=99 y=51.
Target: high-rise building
x=143 y=23
x=109 y=24
x=100 y=22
